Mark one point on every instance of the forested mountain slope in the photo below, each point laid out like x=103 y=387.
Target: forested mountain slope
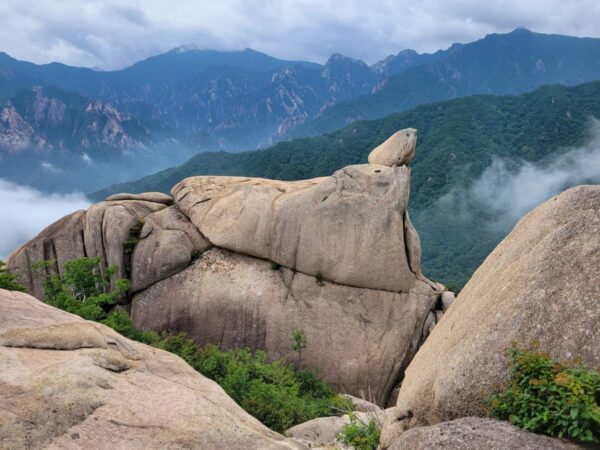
x=458 y=141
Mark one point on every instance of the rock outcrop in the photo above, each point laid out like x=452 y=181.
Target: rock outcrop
x=103 y=391
x=474 y=433
x=398 y=150
x=323 y=431
x=541 y=284
x=242 y=261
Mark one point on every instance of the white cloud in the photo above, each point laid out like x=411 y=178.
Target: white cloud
x=26 y=212
x=115 y=33
x=507 y=190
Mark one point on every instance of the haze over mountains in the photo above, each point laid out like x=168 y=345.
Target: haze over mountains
x=65 y=129
x=170 y=106
x=481 y=163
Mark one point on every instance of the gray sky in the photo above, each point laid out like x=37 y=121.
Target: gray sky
x=115 y=33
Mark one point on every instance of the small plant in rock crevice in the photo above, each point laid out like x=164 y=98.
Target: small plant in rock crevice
x=299 y=342
x=129 y=245
x=360 y=435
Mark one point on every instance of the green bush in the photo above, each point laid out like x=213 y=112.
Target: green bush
x=8 y=281
x=273 y=392
x=84 y=288
x=545 y=396
x=360 y=435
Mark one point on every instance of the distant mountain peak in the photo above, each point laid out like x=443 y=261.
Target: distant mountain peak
x=521 y=30
x=185 y=48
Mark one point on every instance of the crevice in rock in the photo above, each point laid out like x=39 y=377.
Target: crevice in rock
x=82 y=235
x=204 y=200
x=132 y=425
x=29 y=269
x=407 y=251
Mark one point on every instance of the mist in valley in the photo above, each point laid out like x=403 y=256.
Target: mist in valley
x=463 y=226
x=27 y=211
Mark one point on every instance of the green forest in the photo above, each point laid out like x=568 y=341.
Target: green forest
x=458 y=140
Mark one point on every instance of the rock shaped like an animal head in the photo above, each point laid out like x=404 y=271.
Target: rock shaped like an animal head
x=397 y=150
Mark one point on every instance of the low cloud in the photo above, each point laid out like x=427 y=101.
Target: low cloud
x=26 y=211
x=463 y=226
x=512 y=193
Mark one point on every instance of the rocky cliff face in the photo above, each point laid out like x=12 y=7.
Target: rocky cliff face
x=52 y=119
x=241 y=262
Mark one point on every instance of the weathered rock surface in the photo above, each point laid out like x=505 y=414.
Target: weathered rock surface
x=101 y=231
x=474 y=433
x=347 y=228
x=361 y=339
x=447 y=298
x=324 y=430
x=240 y=262
x=103 y=391
x=168 y=241
x=397 y=150
x=541 y=284
x=362 y=405
x=154 y=197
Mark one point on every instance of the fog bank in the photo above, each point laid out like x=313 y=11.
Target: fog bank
x=27 y=211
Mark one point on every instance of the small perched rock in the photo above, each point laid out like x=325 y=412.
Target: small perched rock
x=398 y=150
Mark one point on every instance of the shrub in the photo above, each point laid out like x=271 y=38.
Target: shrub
x=83 y=288
x=545 y=396
x=273 y=392
x=8 y=281
x=129 y=245
x=360 y=435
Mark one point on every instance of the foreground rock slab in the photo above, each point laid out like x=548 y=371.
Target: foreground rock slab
x=540 y=285
x=66 y=383
x=474 y=433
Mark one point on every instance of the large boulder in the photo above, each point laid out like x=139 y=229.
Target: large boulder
x=348 y=228
x=474 y=433
x=241 y=262
x=541 y=284
x=72 y=384
x=360 y=339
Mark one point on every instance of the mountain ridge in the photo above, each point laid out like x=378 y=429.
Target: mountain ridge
x=241 y=100
x=458 y=140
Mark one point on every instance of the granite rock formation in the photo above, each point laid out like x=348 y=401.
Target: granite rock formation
x=242 y=261
x=540 y=285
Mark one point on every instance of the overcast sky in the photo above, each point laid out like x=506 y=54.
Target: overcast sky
x=115 y=33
